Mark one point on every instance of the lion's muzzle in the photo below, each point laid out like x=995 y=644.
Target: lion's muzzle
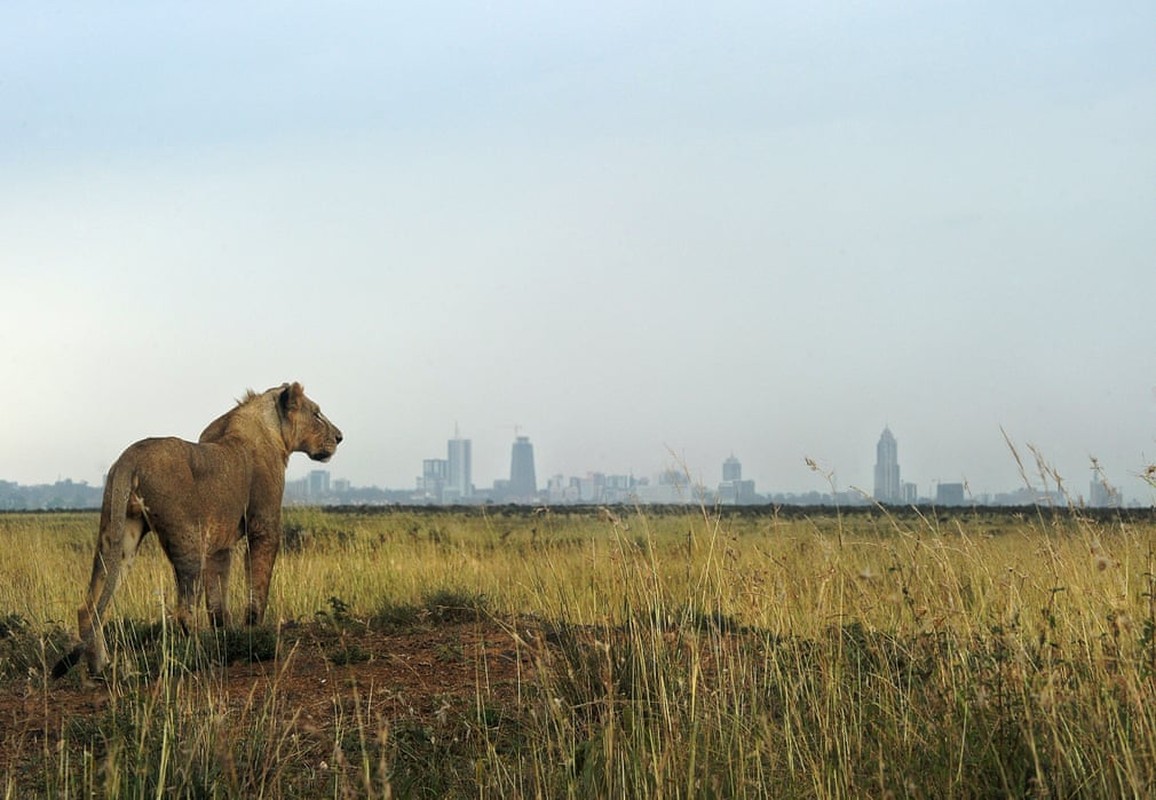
x=330 y=440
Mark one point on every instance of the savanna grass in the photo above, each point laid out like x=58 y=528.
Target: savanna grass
x=688 y=654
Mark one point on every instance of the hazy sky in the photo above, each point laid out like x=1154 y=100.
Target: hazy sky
x=644 y=232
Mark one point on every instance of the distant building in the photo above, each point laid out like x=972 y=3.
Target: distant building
x=887 y=487
x=596 y=487
x=459 y=485
x=732 y=469
x=62 y=494
x=734 y=490
x=523 y=483
x=949 y=494
x=590 y=488
x=318 y=483
x=673 y=487
x=432 y=483
x=296 y=492
x=738 y=493
x=314 y=488
x=559 y=491
x=1028 y=496
x=1102 y=494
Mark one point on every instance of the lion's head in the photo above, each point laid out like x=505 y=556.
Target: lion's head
x=306 y=429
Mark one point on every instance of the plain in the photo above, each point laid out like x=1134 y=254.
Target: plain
x=610 y=652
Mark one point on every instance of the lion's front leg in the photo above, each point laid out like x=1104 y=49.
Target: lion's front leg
x=264 y=541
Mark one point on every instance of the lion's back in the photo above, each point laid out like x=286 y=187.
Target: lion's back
x=178 y=481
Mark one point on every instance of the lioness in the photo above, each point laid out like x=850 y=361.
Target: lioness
x=200 y=499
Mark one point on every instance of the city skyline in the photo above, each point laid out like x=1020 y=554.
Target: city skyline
x=1098 y=483
x=450 y=479
x=671 y=487
x=1099 y=486
x=676 y=484
x=668 y=486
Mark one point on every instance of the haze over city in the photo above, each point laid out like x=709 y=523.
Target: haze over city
x=645 y=236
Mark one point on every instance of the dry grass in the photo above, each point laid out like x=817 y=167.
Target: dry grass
x=676 y=655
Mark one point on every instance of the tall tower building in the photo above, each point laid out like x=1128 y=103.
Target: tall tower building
x=459 y=483
x=887 y=486
x=523 y=483
x=732 y=469
x=433 y=478
x=318 y=483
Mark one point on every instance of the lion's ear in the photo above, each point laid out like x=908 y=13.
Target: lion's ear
x=290 y=397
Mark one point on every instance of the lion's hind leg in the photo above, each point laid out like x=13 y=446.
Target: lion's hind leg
x=217 y=567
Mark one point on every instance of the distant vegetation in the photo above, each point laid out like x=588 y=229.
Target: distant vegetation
x=63 y=494
x=656 y=654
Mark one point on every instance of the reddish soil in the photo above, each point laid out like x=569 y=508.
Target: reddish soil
x=429 y=677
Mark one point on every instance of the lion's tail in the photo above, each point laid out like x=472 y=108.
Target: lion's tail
x=106 y=564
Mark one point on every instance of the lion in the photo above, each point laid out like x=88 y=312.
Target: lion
x=200 y=499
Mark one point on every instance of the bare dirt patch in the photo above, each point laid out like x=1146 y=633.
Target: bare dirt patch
x=446 y=680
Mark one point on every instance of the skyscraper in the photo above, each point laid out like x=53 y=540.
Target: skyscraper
x=433 y=478
x=887 y=487
x=733 y=489
x=459 y=484
x=732 y=469
x=523 y=483
x=318 y=483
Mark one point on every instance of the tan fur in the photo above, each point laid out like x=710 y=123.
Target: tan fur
x=200 y=498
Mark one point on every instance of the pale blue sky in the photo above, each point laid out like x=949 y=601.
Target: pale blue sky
x=633 y=229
